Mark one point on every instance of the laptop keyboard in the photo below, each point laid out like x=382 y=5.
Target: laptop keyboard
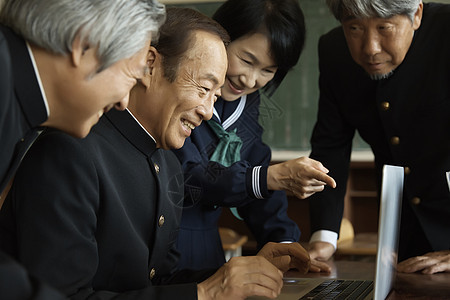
x=340 y=289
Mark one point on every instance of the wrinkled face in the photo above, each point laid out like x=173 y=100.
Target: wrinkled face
x=88 y=94
x=380 y=45
x=174 y=109
x=250 y=66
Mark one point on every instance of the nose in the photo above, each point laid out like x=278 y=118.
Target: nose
x=207 y=109
x=250 y=79
x=371 y=44
x=122 y=104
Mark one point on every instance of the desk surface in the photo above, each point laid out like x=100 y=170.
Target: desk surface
x=407 y=286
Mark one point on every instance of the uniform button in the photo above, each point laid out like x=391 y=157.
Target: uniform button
x=152 y=273
x=415 y=200
x=385 y=105
x=161 y=221
x=395 y=140
x=156 y=168
x=407 y=171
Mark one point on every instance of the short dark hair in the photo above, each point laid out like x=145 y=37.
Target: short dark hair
x=282 y=20
x=176 y=36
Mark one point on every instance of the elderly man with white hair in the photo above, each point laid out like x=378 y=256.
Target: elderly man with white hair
x=63 y=64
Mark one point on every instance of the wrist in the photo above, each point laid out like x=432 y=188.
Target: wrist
x=278 y=177
x=272 y=182
x=201 y=292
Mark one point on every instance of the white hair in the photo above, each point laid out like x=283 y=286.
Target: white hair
x=373 y=8
x=117 y=28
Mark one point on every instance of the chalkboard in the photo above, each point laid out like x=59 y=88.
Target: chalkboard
x=288 y=117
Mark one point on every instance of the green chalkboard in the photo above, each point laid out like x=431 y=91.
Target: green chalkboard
x=289 y=116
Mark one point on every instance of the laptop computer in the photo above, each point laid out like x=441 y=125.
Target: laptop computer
x=386 y=258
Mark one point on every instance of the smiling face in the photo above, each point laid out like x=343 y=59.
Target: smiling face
x=82 y=95
x=171 y=110
x=250 y=66
x=380 y=45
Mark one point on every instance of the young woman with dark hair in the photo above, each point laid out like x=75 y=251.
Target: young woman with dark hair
x=225 y=161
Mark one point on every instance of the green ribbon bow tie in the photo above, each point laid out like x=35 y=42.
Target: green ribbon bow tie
x=228 y=150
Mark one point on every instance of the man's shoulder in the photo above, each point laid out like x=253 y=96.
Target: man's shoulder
x=434 y=7
x=333 y=50
x=49 y=133
x=3 y=28
x=53 y=138
x=7 y=36
x=433 y=11
x=5 y=67
x=434 y=29
x=334 y=35
x=333 y=42
x=2 y=37
x=436 y=16
x=53 y=144
x=53 y=150
x=4 y=49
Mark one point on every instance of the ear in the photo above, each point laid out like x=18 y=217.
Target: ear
x=418 y=16
x=78 y=50
x=152 y=58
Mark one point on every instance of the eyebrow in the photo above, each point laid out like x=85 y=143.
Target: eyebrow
x=211 y=77
x=252 y=57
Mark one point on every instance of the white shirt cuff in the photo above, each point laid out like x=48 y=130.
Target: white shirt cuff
x=325 y=236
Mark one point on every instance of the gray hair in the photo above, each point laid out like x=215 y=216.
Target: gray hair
x=373 y=8
x=117 y=28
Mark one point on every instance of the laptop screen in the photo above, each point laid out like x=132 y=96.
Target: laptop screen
x=388 y=229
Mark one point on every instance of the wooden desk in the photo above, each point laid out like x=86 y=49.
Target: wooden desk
x=418 y=286
x=364 y=244
x=407 y=286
